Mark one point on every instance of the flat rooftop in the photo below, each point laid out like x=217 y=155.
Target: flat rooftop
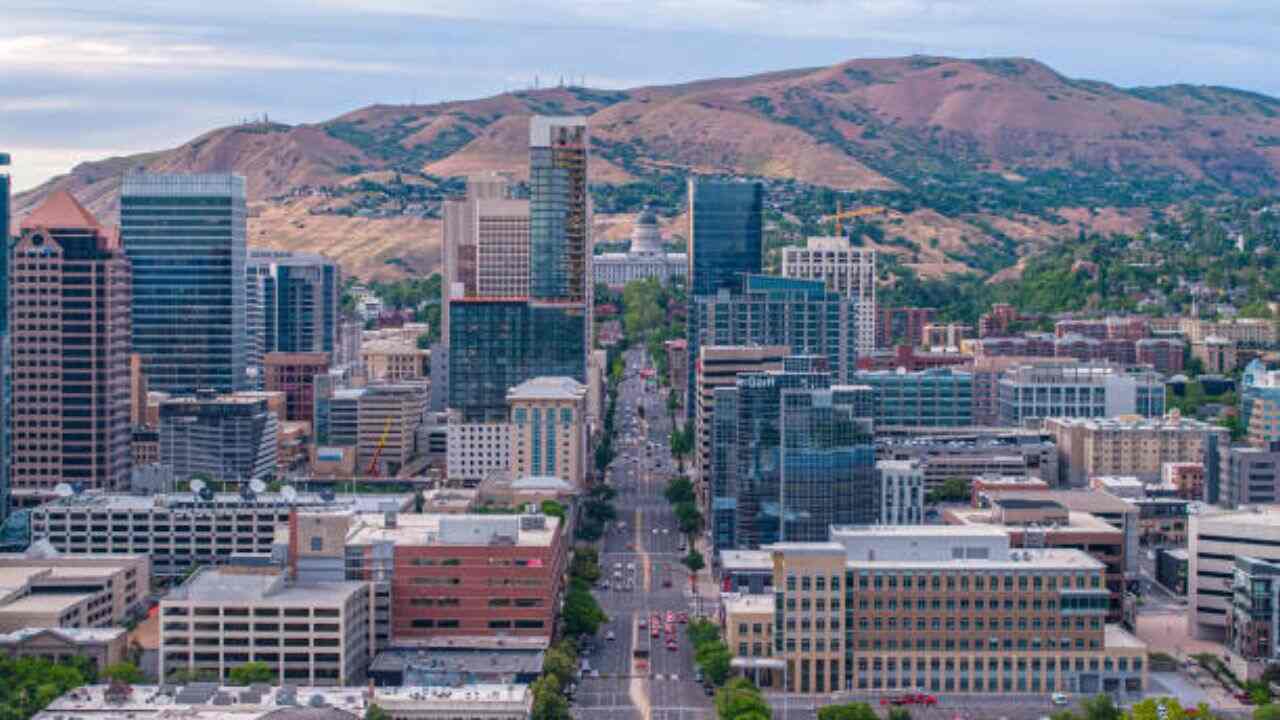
x=1049 y=559
x=1076 y=521
x=426 y=529
x=746 y=560
x=44 y=603
x=1091 y=501
x=116 y=502
x=1168 y=423
x=923 y=531
x=257 y=585
x=485 y=661
x=1267 y=516
x=70 y=634
x=1115 y=636
x=740 y=604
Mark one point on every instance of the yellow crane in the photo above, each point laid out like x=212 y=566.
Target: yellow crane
x=377 y=452
x=849 y=214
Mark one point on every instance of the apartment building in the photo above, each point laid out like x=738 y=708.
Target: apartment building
x=549 y=429
x=847 y=270
x=68 y=310
x=1036 y=524
x=309 y=634
x=1163 y=354
x=900 y=608
x=1245 y=332
x=902 y=325
x=718 y=366
x=43 y=589
x=1129 y=445
x=476 y=450
x=1216 y=541
x=1031 y=394
x=394 y=361
x=1218 y=355
x=1253 y=625
x=181 y=530
x=930 y=398
x=437 y=576
x=901 y=492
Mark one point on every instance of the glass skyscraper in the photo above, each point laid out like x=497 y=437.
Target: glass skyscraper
x=559 y=234
x=4 y=337
x=300 y=297
x=725 y=233
x=792 y=457
x=185 y=237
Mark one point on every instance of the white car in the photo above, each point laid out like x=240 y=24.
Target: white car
x=1059 y=699
x=610 y=636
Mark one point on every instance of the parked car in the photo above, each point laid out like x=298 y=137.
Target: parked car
x=1059 y=699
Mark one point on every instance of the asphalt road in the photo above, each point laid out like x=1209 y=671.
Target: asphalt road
x=643 y=549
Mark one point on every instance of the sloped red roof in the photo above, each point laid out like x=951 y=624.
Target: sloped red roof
x=60 y=210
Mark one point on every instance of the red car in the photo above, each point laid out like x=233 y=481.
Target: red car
x=682 y=618
x=673 y=645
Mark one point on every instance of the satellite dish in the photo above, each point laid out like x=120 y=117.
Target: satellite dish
x=63 y=490
x=77 y=487
x=289 y=493
x=327 y=495
x=197 y=485
x=206 y=494
x=257 y=485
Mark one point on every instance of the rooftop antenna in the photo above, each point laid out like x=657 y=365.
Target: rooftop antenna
x=257 y=485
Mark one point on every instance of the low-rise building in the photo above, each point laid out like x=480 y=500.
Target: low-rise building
x=308 y=634
x=1186 y=478
x=930 y=398
x=1029 y=395
x=1215 y=542
x=178 y=531
x=901 y=492
x=1128 y=445
x=475 y=450
x=44 y=589
x=454 y=661
x=979 y=617
x=1253 y=627
x=746 y=571
x=1218 y=355
x=99 y=646
x=210 y=701
x=974 y=452
x=1250 y=476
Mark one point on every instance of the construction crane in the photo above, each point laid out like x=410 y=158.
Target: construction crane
x=377 y=452
x=849 y=214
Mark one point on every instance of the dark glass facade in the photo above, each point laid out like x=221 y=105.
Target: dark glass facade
x=4 y=338
x=185 y=237
x=495 y=345
x=300 y=299
x=559 y=251
x=792 y=457
x=726 y=228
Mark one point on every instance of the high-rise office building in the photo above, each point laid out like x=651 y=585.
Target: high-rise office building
x=845 y=269
x=4 y=339
x=301 y=295
x=725 y=234
x=559 y=232
x=790 y=457
x=185 y=237
x=69 y=315
x=486 y=244
x=230 y=438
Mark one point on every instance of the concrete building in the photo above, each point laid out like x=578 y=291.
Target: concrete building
x=486 y=244
x=182 y=231
x=476 y=450
x=228 y=438
x=99 y=646
x=394 y=361
x=1186 y=478
x=901 y=492
x=178 y=531
x=43 y=589
x=209 y=701
x=310 y=634
x=1255 y=333
x=1215 y=543
x=5 y=427
x=1250 y=476
x=910 y=359
x=1031 y=394
x=1163 y=354
x=979 y=452
x=1057 y=639
x=1218 y=355
x=677 y=364
x=1130 y=445
x=437 y=576
x=294 y=375
x=1035 y=524
x=1253 y=625
x=388 y=419
x=646 y=258
x=549 y=429
x=718 y=366
x=987 y=371
x=930 y=398
x=845 y=269
x=68 y=319
x=1171 y=569
x=746 y=571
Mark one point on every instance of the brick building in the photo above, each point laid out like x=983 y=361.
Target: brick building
x=294 y=375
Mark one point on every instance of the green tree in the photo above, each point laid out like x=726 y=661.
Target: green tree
x=688 y=517
x=701 y=631
x=250 y=673
x=125 y=672
x=714 y=659
x=30 y=684
x=694 y=561
x=898 y=713
x=1267 y=712
x=375 y=712
x=951 y=490
x=582 y=614
x=552 y=508
x=847 y=711
x=561 y=663
x=679 y=489
x=740 y=699
x=585 y=564
x=1102 y=707
x=548 y=702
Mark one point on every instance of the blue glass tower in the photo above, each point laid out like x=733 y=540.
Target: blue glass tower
x=185 y=237
x=726 y=234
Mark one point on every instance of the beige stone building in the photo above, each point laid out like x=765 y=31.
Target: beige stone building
x=221 y=618
x=848 y=270
x=1129 y=445
x=1244 y=332
x=100 y=646
x=43 y=589
x=394 y=361
x=936 y=609
x=548 y=429
x=1214 y=543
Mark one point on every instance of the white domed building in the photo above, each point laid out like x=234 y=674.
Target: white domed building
x=646 y=257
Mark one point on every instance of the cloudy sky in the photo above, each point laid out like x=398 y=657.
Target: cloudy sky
x=86 y=79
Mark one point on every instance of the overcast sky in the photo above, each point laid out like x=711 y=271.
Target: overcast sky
x=82 y=79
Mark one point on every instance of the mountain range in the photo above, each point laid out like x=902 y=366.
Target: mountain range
x=979 y=162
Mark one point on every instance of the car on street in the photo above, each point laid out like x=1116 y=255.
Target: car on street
x=644 y=624
x=1059 y=699
x=708 y=689
x=610 y=636
x=671 y=617
x=672 y=645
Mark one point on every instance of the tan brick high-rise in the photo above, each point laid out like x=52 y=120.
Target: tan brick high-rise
x=69 y=295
